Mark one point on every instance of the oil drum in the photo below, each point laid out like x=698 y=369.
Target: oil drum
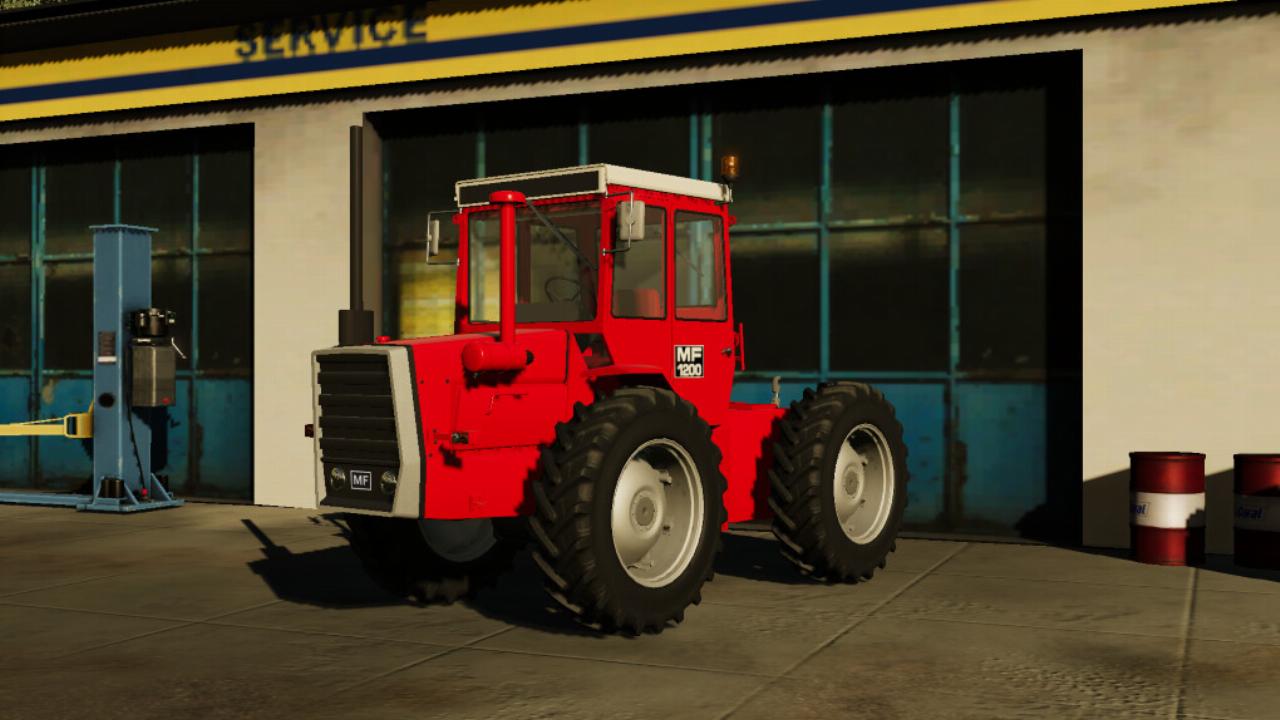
x=1257 y=511
x=1167 y=507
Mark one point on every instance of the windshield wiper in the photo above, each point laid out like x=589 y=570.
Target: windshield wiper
x=555 y=229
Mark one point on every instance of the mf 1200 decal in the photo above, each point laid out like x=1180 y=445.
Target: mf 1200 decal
x=688 y=361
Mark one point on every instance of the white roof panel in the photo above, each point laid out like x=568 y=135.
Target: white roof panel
x=586 y=179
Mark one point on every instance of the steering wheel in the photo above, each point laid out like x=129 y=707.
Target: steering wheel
x=575 y=285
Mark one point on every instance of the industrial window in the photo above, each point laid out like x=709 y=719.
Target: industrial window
x=774 y=294
x=889 y=159
x=699 y=245
x=1002 y=297
x=196 y=189
x=15 y=261
x=79 y=191
x=1003 y=153
x=421 y=171
x=15 y=206
x=780 y=161
x=914 y=227
x=68 y=290
x=15 y=315
x=156 y=185
x=523 y=149
x=658 y=144
x=1003 y=263
x=889 y=302
x=639 y=272
x=862 y=188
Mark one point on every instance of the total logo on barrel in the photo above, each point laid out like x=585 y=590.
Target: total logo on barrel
x=1257 y=511
x=1167 y=499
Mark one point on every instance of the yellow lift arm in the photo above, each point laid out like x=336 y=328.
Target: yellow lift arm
x=75 y=425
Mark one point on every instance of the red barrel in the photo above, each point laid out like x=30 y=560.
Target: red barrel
x=1258 y=511
x=1167 y=499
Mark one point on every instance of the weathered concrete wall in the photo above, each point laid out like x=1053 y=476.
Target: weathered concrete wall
x=1179 y=306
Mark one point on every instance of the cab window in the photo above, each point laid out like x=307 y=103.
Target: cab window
x=639 y=274
x=555 y=263
x=700 y=287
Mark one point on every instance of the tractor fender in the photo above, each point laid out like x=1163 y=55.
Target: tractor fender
x=610 y=377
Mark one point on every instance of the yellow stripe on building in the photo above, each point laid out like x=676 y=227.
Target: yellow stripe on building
x=201 y=50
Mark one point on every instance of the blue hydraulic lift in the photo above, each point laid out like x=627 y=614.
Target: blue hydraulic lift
x=133 y=374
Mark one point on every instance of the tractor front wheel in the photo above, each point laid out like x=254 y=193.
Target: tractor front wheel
x=434 y=560
x=839 y=482
x=628 y=512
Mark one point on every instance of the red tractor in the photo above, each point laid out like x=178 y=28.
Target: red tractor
x=587 y=388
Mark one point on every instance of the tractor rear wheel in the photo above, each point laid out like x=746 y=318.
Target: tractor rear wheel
x=628 y=512
x=839 y=482
x=434 y=560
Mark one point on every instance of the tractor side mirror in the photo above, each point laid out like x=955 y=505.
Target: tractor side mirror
x=433 y=238
x=630 y=223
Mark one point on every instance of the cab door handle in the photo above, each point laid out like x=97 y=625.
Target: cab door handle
x=726 y=351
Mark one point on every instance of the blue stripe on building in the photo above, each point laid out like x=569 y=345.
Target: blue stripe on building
x=737 y=18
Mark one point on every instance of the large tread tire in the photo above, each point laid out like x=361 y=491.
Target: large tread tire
x=572 y=535
x=803 y=473
x=397 y=556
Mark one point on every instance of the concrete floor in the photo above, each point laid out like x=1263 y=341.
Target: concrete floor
x=219 y=611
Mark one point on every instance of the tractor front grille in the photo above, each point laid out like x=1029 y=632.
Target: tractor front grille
x=357 y=418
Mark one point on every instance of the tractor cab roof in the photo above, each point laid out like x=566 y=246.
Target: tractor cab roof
x=585 y=180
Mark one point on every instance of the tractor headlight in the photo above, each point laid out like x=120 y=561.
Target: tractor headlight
x=389 y=481
x=337 y=477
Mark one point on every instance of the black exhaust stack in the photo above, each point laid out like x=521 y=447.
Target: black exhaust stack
x=355 y=326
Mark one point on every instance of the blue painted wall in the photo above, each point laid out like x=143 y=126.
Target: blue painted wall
x=15 y=453
x=1001 y=428
x=224 y=420
x=218 y=465
x=64 y=464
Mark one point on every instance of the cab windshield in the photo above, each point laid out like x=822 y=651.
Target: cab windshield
x=557 y=252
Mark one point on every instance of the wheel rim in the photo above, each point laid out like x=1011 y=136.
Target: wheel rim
x=657 y=513
x=459 y=541
x=864 y=484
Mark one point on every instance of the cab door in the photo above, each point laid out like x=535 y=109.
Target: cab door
x=702 y=353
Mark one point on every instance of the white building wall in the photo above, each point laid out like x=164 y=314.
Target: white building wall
x=300 y=261
x=1181 y=315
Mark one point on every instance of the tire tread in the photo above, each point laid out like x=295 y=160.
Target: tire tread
x=796 y=481
x=561 y=521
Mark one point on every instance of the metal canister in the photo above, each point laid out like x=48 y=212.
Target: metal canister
x=1167 y=507
x=1257 y=510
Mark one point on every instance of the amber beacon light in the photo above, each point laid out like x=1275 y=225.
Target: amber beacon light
x=729 y=167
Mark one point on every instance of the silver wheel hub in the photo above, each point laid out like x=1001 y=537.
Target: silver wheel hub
x=854 y=480
x=643 y=510
x=864 y=484
x=656 y=517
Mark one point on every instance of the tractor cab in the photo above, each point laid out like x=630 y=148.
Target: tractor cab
x=634 y=265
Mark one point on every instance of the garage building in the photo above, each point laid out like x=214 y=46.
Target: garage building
x=1039 y=227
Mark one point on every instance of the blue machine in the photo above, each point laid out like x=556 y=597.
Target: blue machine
x=133 y=375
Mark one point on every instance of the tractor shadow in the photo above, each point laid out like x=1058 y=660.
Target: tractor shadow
x=752 y=554
x=333 y=578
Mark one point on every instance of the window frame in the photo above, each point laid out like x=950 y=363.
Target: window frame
x=463 y=311
x=718 y=311
x=663 y=254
